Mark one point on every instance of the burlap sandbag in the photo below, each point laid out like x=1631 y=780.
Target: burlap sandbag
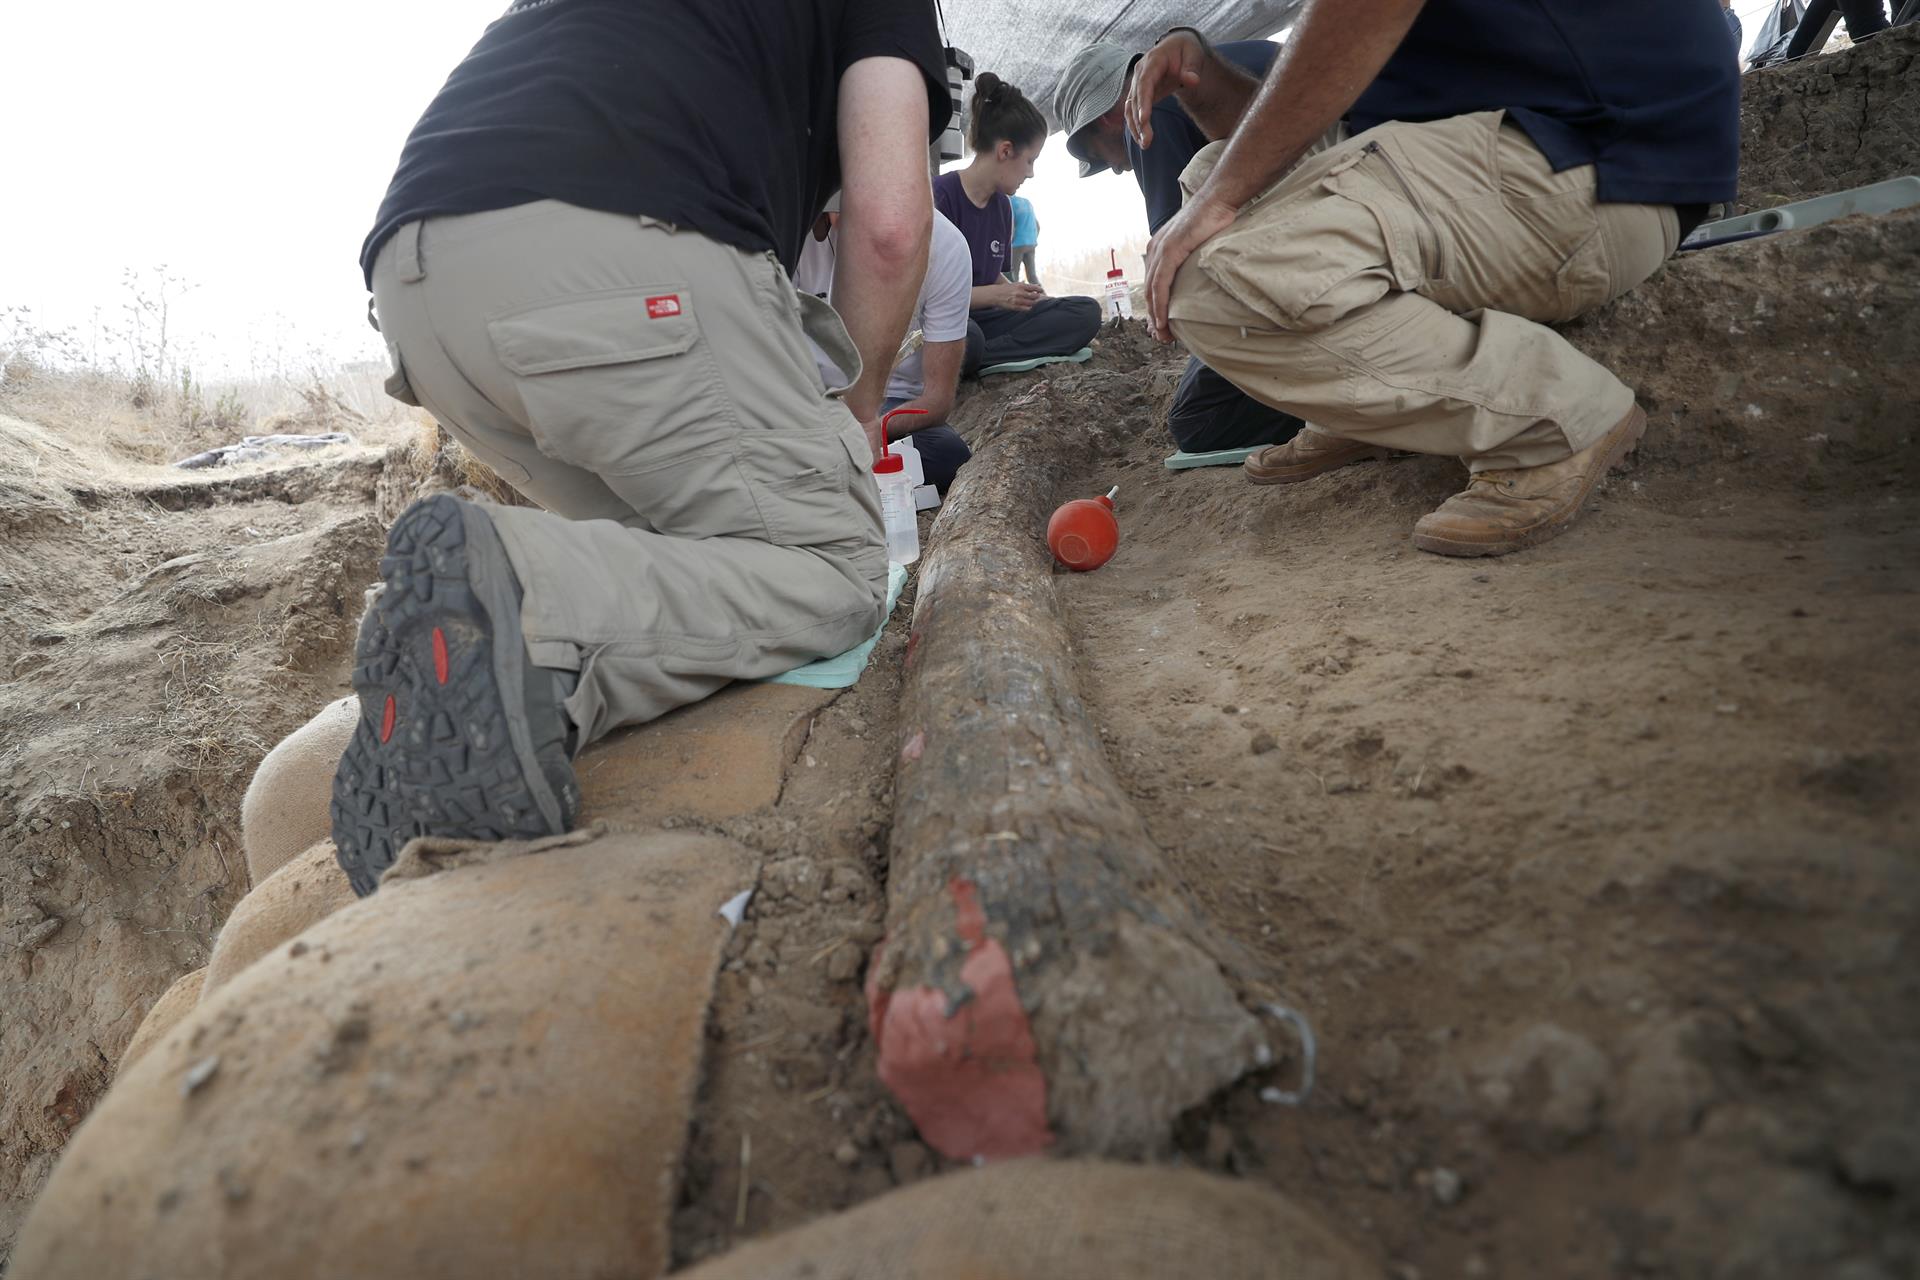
x=285 y=808
x=175 y=1003
x=486 y=1071
x=1056 y=1220
x=280 y=908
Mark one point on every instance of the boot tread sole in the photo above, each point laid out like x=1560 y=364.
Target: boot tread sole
x=449 y=767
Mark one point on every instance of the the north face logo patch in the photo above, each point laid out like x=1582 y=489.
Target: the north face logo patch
x=667 y=304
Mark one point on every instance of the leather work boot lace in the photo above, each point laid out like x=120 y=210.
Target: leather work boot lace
x=1502 y=511
x=1308 y=454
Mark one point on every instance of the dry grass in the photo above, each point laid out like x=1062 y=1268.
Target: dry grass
x=433 y=452
x=89 y=412
x=125 y=421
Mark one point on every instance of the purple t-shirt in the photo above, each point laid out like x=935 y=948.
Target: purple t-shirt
x=989 y=231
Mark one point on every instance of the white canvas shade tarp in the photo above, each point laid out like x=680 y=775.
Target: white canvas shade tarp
x=1027 y=44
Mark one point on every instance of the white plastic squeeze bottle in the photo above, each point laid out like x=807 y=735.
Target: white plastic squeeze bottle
x=897 y=512
x=1119 y=297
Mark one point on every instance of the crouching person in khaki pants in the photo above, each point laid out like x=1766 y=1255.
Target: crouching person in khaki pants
x=581 y=269
x=1513 y=163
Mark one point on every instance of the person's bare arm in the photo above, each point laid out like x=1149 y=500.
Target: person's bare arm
x=1338 y=47
x=886 y=219
x=1335 y=52
x=940 y=369
x=1214 y=93
x=1006 y=293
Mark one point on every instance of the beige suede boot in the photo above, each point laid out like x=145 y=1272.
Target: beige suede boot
x=1307 y=455
x=1503 y=511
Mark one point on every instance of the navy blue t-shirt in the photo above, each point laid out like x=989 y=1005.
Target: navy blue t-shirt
x=1176 y=137
x=1641 y=89
x=718 y=115
x=989 y=231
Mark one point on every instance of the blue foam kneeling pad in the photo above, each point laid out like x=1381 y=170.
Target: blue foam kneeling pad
x=843 y=669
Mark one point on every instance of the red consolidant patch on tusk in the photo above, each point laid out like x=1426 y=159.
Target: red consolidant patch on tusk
x=972 y=1080
x=440 y=655
x=386 y=721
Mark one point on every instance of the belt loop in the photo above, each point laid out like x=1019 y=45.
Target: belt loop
x=408 y=263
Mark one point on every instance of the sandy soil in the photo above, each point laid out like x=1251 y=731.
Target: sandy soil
x=790 y=1108
x=159 y=631
x=1593 y=867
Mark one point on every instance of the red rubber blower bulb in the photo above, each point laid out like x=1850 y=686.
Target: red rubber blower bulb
x=1083 y=534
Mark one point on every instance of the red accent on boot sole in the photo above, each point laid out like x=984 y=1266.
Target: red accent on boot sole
x=386 y=721
x=440 y=655
x=972 y=1080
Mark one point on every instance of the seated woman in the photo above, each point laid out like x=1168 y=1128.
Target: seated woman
x=1016 y=321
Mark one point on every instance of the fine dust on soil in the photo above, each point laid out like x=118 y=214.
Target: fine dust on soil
x=159 y=632
x=790 y=1107
x=158 y=636
x=1593 y=866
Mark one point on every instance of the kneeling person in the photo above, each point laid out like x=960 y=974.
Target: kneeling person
x=928 y=379
x=592 y=295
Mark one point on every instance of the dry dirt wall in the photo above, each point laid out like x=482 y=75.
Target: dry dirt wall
x=1793 y=354
x=1828 y=123
x=157 y=633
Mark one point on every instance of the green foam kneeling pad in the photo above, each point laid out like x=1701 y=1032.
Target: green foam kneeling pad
x=843 y=669
x=1022 y=366
x=1217 y=458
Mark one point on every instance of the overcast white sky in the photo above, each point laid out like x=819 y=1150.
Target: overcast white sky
x=246 y=146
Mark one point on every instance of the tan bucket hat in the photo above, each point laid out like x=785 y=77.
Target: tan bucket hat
x=1089 y=88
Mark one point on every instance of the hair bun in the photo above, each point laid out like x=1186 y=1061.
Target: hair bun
x=1001 y=113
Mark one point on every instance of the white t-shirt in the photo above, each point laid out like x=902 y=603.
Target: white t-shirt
x=940 y=313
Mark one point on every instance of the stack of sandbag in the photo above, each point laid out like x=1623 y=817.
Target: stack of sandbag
x=484 y=1069
x=283 y=820
x=1056 y=1220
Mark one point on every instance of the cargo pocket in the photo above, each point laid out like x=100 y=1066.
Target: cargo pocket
x=1309 y=253
x=1417 y=241
x=806 y=485
x=1585 y=279
x=396 y=384
x=620 y=383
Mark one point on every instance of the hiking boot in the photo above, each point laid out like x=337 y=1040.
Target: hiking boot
x=1308 y=454
x=1502 y=511
x=460 y=734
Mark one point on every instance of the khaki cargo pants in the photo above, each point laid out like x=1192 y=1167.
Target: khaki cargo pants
x=1396 y=288
x=709 y=509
